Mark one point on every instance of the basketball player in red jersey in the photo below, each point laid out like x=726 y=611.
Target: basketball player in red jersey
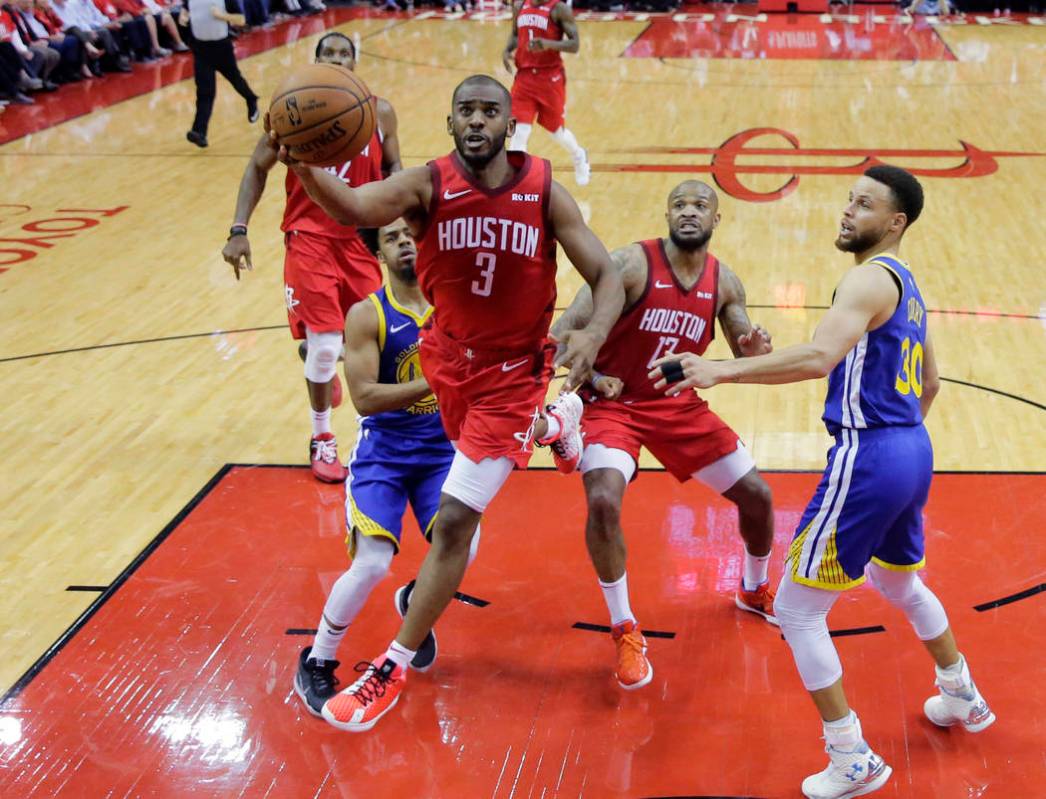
x=675 y=290
x=327 y=268
x=487 y=222
x=541 y=30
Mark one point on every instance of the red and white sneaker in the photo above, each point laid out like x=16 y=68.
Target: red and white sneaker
x=568 y=445
x=323 y=455
x=760 y=601
x=358 y=707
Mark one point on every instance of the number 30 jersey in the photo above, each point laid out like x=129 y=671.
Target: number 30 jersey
x=487 y=257
x=879 y=382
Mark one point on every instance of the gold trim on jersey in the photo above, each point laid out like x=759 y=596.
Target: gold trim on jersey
x=381 y=320
x=403 y=309
x=830 y=574
x=367 y=526
x=895 y=567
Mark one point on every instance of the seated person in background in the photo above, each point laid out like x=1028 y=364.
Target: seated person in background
x=930 y=8
x=134 y=31
x=74 y=51
x=81 y=18
x=41 y=59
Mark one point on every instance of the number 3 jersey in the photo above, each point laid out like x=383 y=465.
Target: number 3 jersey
x=666 y=318
x=487 y=257
x=879 y=382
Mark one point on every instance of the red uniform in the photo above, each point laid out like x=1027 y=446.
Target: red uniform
x=540 y=87
x=327 y=267
x=681 y=431
x=487 y=264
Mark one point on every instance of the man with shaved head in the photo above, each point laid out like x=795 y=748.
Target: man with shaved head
x=675 y=290
x=487 y=223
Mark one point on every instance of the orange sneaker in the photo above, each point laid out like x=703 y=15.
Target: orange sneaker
x=633 y=669
x=359 y=706
x=760 y=601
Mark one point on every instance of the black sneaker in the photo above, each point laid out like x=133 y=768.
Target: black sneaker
x=196 y=138
x=314 y=682
x=426 y=654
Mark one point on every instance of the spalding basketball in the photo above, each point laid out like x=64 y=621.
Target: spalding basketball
x=323 y=114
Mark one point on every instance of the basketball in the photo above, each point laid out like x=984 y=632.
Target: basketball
x=323 y=114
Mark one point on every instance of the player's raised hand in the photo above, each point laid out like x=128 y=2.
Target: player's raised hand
x=536 y=45
x=237 y=253
x=608 y=386
x=282 y=153
x=682 y=371
x=756 y=341
x=577 y=351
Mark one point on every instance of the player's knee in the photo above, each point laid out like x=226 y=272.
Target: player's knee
x=372 y=559
x=752 y=494
x=604 y=508
x=321 y=359
x=455 y=525
x=897 y=587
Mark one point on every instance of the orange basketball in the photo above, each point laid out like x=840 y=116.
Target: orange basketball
x=323 y=114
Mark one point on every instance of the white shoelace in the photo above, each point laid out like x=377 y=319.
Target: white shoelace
x=327 y=451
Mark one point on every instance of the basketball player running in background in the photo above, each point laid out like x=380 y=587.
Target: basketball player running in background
x=487 y=222
x=865 y=519
x=540 y=32
x=401 y=455
x=675 y=289
x=327 y=267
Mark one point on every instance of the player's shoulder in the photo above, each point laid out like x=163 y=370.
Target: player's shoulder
x=365 y=315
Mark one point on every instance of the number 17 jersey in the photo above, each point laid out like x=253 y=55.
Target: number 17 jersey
x=487 y=257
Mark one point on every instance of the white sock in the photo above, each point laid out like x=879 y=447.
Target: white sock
x=350 y=592
x=520 y=137
x=552 y=433
x=399 y=654
x=756 y=567
x=569 y=143
x=321 y=422
x=616 y=596
x=844 y=735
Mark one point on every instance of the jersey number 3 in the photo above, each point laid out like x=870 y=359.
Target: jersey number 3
x=486 y=261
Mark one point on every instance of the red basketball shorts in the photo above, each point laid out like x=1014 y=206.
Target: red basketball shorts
x=488 y=399
x=681 y=432
x=323 y=277
x=540 y=94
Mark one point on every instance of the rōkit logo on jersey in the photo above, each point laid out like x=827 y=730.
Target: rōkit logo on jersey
x=517 y=197
x=488 y=233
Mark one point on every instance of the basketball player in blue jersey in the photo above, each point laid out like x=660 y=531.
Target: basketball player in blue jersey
x=401 y=456
x=865 y=519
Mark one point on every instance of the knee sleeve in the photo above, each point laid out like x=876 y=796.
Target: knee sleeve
x=905 y=591
x=372 y=558
x=321 y=360
x=476 y=484
x=520 y=137
x=802 y=612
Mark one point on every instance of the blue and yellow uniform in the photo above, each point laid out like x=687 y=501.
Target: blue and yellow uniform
x=400 y=456
x=868 y=505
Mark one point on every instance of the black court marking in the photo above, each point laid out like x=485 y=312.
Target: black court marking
x=1006 y=394
x=1007 y=600
x=301 y=631
x=111 y=590
x=602 y=628
x=878 y=628
x=470 y=600
x=98 y=588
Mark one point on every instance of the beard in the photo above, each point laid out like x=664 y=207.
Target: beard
x=690 y=244
x=407 y=274
x=476 y=161
x=858 y=242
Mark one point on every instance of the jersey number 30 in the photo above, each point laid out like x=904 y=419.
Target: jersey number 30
x=486 y=261
x=910 y=375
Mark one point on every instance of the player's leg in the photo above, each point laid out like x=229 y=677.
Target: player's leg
x=524 y=109
x=321 y=363
x=552 y=117
x=853 y=768
x=469 y=488
x=203 y=74
x=607 y=472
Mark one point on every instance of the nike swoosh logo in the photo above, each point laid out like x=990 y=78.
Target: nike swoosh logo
x=508 y=367
x=554 y=79
x=398 y=328
x=659 y=285
x=448 y=196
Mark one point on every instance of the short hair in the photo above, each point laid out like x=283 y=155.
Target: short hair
x=335 y=34
x=906 y=190
x=474 y=79
x=369 y=236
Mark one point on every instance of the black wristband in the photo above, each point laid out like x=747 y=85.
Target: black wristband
x=672 y=371
x=237 y=230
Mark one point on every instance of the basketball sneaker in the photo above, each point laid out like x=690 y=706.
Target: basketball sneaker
x=426 y=654
x=760 y=601
x=633 y=669
x=582 y=169
x=848 y=774
x=567 y=446
x=358 y=707
x=323 y=456
x=958 y=702
x=314 y=681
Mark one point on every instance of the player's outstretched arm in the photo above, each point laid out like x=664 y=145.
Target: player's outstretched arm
x=362 y=361
x=744 y=338
x=591 y=260
x=867 y=292
x=237 y=250
x=390 y=138
x=931 y=377
x=630 y=264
